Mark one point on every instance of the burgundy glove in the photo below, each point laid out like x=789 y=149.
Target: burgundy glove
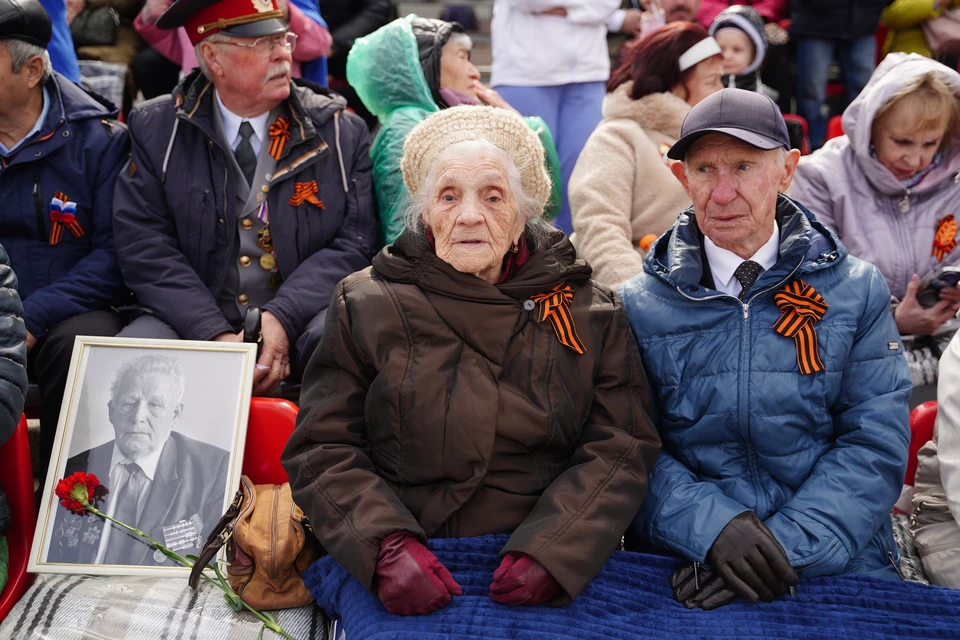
x=409 y=579
x=522 y=580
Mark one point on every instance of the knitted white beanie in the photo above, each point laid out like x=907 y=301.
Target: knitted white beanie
x=502 y=127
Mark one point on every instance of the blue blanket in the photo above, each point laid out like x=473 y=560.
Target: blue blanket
x=630 y=598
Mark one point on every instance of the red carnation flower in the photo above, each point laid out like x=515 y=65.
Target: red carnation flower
x=80 y=490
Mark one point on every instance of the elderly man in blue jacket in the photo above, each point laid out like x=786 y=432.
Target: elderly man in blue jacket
x=778 y=372
x=60 y=153
x=245 y=190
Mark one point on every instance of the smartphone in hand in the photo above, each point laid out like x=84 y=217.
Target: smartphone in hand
x=929 y=293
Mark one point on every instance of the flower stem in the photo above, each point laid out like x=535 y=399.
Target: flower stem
x=267 y=621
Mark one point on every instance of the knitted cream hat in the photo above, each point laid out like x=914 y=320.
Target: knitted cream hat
x=502 y=127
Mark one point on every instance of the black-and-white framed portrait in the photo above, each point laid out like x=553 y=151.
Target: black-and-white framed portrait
x=162 y=424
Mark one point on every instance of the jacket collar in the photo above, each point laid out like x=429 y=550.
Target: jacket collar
x=657 y=112
x=483 y=315
x=805 y=246
x=194 y=100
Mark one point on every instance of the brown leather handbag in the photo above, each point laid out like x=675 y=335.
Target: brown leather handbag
x=269 y=545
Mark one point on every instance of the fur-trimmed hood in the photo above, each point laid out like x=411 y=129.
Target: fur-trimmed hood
x=660 y=112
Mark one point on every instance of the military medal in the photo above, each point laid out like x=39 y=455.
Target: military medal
x=264 y=241
x=268 y=262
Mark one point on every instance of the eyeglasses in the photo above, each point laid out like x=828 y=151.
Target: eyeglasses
x=264 y=46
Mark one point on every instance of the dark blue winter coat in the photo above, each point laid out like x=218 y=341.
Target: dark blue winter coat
x=78 y=151
x=820 y=457
x=175 y=211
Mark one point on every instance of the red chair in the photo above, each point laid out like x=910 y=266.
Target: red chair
x=922 y=419
x=271 y=422
x=834 y=127
x=16 y=476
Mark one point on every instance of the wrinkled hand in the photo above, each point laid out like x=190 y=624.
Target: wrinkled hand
x=275 y=355
x=409 y=579
x=750 y=560
x=522 y=580
x=913 y=319
x=488 y=96
x=713 y=592
x=31 y=341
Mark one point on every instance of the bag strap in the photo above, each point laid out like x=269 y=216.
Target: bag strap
x=217 y=538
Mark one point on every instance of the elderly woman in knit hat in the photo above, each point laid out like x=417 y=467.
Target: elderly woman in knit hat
x=473 y=381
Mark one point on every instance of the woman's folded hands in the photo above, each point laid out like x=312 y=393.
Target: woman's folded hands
x=410 y=580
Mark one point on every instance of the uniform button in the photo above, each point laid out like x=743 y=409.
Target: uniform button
x=243 y=298
x=37 y=154
x=246 y=223
x=244 y=261
x=265 y=188
x=529 y=305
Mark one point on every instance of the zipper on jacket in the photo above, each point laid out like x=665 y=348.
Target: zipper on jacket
x=38 y=206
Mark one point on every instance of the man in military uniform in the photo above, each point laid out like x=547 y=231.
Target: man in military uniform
x=60 y=153
x=243 y=190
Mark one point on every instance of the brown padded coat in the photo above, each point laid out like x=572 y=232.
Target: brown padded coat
x=438 y=405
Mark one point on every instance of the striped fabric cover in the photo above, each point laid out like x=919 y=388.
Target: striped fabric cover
x=61 y=607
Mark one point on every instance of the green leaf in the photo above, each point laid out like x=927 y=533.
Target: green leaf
x=192 y=558
x=234 y=601
x=4 y=562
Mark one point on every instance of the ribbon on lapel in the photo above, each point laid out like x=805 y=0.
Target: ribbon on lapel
x=63 y=213
x=306 y=192
x=279 y=134
x=801 y=308
x=555 y=307
x=945 y=239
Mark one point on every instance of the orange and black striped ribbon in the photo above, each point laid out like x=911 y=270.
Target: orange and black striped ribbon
x=945 y=239
x=279 y=134
x=306 y=192
x=802 y=307
x=555 y=307
x=63 y=213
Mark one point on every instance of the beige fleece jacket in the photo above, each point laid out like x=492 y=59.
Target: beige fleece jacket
x=621 y=188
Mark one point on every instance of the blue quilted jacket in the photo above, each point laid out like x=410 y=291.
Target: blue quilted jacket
x=819 y=458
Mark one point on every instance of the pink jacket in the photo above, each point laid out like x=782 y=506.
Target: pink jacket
x=771 y=10
x=313 y=41
x=858 y=198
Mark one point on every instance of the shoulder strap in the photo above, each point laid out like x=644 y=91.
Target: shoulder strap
x=217 y=538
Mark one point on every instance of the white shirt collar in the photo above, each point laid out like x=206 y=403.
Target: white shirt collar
x=232 y=122
x=148 y=464
x=724 y=263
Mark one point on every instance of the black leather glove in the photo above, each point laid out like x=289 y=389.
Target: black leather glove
x=700 y=587
x=750 y=560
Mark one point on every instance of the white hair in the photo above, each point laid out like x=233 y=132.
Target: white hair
x=216 y=38
x=21 y=52
x=167 y=365
x=461 y=38
x=527 y=207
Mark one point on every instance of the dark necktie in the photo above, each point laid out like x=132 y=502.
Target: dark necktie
x=747 y=273
x=244 y=154
x=122 y=545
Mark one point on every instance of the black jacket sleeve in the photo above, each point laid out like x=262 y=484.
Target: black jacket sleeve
x=13 y=351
